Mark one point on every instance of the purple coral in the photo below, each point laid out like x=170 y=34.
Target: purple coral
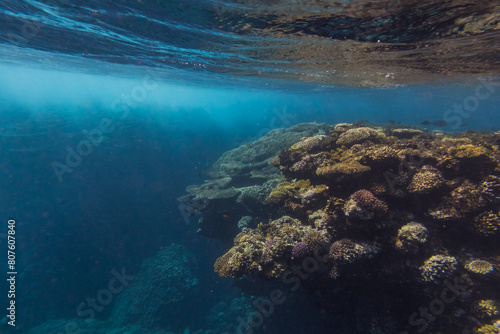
x=269 y=243
x=300 y=249
x=365 y=199
x=267 y=256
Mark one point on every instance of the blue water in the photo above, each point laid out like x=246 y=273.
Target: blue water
x=160 y=91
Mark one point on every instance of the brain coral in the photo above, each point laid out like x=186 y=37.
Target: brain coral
x=488 y=223
x=437 y=268
x=359 y=135
x=426 y=180
x=411 y=236
x=480 y=267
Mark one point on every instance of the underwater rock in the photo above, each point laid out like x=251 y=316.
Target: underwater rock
x=300 y=249
x=266 y=249
x=463 y=201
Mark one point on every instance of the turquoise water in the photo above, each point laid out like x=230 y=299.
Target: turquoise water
x=110 y=109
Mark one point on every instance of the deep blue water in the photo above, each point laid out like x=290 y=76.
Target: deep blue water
x=161 y=89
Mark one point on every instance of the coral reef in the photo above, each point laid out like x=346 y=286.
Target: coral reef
x=488 y=223
x=402 y=211
x=479 y=267
x=438 y=267
x=486 y=308
x=359 y=135
x=489 y=329
x=300 y=249
x=241 y=179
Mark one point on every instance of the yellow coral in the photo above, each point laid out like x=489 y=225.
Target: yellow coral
x=479 y=267
x=222 y=266
x=313 y=239
x=469 y=151
x=486 y=308
x=488 y=223
x=489 y=329
x=359 y=135
x=350 y=167
x=406 y=133
x=287 y=189
x=308 y=144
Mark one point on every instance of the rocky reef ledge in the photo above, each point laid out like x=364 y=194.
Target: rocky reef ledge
x=397 y=227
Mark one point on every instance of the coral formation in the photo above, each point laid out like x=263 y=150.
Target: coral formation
x=479 y=267
x=406 y=133
x=164 y=280
x=300 y=249
x=359 y=135
x=391 y=210
x=489 y=329
x=486 y=308
x=488 y=223
x=427 y=179
x=240 y=180
x=490 y=189
x=437 y=268
x=347 y=251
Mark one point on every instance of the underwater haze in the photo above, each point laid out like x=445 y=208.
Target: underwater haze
x=240 y=166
